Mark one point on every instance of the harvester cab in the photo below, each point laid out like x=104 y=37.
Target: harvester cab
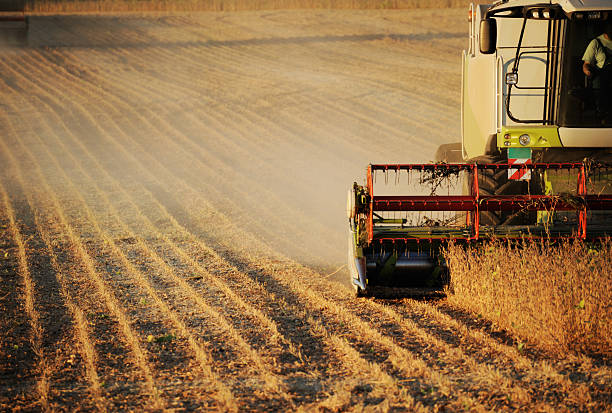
x=14 y=23
x=534 y=159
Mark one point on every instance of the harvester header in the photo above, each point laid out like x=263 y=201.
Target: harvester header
x=395 y=240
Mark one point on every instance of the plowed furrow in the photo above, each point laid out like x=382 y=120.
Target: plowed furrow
x=220 y=67
x=255 y=203
x=108 y=356
x=242 y=193
x=286 y=220
x=109 y=359
x=415 y=132
x=257 y=360
x=284 y=293
x=515 y=386
x=48 y=197
x=19 y=348
x=323 y=306
x=155 y=222
x=226 y=60
x=283 y=357
x=119 y=101
x=544 y=380
x=86 y=352
x=258 y=139
x=159 y=80
x=354 y=138
x=427 y=107
x=335 y=117
x=132 y=282
x=308 y=182
x=85 y=79
x=37 y=333
x=336 y=57
x=438 y=130
x=414 y=331
x=58 y=374
x=301 y=337
x=343 y=350
x=403 y=365
x=177 y=290
x=248 y=193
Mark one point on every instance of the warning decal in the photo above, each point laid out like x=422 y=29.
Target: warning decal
x=519 y=173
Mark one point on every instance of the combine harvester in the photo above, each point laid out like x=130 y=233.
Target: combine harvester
x=534 y=160
x=14 y=24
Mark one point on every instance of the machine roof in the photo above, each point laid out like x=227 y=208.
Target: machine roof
x=569 y=6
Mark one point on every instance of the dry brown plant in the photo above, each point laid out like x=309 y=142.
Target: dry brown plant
x=557 y=296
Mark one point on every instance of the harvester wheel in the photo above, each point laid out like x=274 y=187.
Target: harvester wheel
x=496 y=182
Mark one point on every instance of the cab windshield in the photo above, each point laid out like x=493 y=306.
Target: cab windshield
x=583 y=101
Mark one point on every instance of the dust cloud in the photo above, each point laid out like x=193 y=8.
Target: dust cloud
x=265 y=119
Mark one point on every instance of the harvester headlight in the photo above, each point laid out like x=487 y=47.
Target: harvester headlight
x=507 y=136
x=524 y=139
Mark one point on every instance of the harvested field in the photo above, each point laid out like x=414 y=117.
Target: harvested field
x=71 y=6
x=172 y=220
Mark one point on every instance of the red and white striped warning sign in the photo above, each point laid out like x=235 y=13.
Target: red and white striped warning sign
x=522 y=174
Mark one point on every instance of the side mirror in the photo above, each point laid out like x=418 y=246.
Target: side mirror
x=488 y=36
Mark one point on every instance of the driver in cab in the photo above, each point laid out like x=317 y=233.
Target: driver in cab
x=597 y=67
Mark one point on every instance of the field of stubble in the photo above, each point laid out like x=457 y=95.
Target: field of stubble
x=172 y=228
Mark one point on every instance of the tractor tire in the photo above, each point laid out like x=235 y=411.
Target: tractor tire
x=495 y=182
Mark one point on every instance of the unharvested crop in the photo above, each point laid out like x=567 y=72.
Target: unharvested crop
x=554 y=295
